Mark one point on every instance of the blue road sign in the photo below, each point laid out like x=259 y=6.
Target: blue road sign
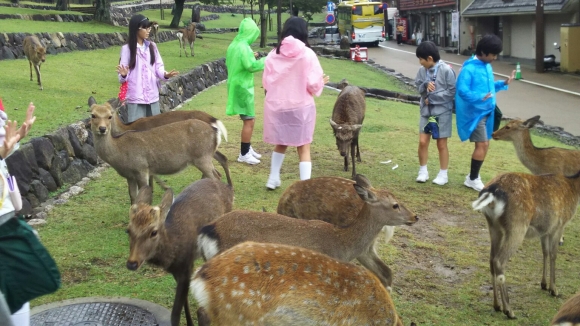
x=330 y=19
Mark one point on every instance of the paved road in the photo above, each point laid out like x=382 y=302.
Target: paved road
x=524 y=100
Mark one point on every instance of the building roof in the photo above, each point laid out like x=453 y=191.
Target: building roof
x=513 y=7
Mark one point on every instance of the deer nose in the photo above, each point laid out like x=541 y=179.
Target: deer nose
x=102 y=129
x=342 y=153
x=132 y=265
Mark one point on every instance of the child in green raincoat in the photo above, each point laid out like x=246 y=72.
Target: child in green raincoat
x=242 y=64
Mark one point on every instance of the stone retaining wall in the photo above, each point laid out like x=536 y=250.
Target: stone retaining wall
x=50 y=17
x=67 y=156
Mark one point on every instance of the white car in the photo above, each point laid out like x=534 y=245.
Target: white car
x=331 y=34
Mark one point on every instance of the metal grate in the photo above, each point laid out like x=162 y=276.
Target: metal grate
x=95 y=314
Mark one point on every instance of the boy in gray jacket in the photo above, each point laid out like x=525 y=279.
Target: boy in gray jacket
x=436 y=84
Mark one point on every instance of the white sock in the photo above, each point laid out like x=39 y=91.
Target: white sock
x=423 y=168
x=276 y=165
x=443 y=173
x=305 y=170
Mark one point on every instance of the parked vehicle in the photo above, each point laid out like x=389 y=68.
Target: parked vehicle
x=331 y=34
x=550 y=62
x=362 y=22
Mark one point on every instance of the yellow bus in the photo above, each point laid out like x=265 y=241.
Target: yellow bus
x=362 y=21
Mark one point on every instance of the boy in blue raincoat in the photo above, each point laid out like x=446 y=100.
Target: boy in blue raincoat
x=475 y=103
x=242 y=64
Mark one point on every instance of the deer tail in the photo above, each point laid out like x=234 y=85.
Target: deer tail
x=491 y=205
x=222 y=131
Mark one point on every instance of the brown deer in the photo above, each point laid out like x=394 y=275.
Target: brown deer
x=340 y=243
x=518 y=206
x=36 y=54
x=538 y=160
x=187 y=36
x=335 y=200
x=569 y=313
x=271 y=284
x=167 y=149
x=154 y=31
x=165 y=235
x=146 y=123
x=347 y=118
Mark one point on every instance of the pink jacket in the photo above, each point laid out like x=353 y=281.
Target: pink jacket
x=143 y=79
x=291 y=79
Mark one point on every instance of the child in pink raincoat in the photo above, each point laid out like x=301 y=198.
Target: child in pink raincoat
x=292 y=77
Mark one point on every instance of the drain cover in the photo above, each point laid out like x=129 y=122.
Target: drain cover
x=96 y=314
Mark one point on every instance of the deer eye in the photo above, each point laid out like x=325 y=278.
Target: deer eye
x=111 y=117
x=153 y=233
x=396 y=206
x=507 y=127
x=93 y=116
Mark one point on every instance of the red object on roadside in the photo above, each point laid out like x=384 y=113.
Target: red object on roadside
x=357 y=54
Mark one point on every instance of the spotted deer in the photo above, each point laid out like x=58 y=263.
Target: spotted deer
x=187 y=36
x=335 y=200
x=343 y=243
x=165 y=235
x=272 y=284
x=569 y=313
x=518 y=206
x=167 y=149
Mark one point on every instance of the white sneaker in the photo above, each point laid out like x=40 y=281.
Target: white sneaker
x=273 y=184
x=248 y=158
x=441 y=179
x=473 y=184
x=254 y=154
x=423 y=176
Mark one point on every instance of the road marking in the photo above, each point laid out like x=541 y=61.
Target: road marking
x=498 y=74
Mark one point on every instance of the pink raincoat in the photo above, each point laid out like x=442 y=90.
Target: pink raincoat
x=291 y=78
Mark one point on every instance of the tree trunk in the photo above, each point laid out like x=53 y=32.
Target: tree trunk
x=263 y=24
x=15 y=1
x=196 y=14
x=102 y=11
x=244 y=8
x=177 y=14
x=279 y=18
x=61 y=5
x=269 y=19
x=252 y=9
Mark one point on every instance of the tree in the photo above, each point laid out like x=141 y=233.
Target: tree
x=61 y=5
x=308 y=7
x=263 y=24
x=210 y=2
x=252 y=3
x=102 y=10
x=177 y=14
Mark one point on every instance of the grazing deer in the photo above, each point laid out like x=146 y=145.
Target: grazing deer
x=36 y=54
x=187 y=36
x=335 y=200
x=347 y=118
x=271 y=284
x=538 y=160
x=569 y=313
x=165 y=235
x=167 y=149
x=154 y=31
x=518 y=206
x=340 y=243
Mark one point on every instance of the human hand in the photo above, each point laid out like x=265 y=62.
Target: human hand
x=426 y=101
x=431 y=86
x=256 y=55
x=487 y=96
x=325 y=79
x=10 y=139
x=170 y=74
x=122 y=70
x=509 y=80
x=30 y=118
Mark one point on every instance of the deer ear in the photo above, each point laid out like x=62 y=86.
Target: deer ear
x=364 y=193
x=144 y=195
x=531 y=122
x=92 y=101
x=333 y=124
x=362 y=181
x=166 y=203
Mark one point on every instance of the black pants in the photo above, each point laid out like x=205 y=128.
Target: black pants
x=399 y=38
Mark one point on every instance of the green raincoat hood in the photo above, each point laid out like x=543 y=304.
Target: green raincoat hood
x=248 y=31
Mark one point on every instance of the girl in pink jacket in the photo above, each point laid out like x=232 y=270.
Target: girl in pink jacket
x=141 y=67
x=291 y=77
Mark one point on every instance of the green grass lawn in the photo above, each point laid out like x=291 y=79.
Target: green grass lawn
x=440 y=265
x=29 y=26
x=29 y=11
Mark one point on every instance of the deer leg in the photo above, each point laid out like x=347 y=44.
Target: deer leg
x=202 y=317
x=545 y=240
x=562 y=241
x=553 y=254
x=495 y=240
x=352 y=155
x=205 y=165
x=191 y=48
x=345 y=162
x=372 y=262
x=180 y=300
x=150 y=181
x=133 y=189
x=30 y=62
x=357 y=151
x=38 y=80
x=512 y=239
x=223 y=161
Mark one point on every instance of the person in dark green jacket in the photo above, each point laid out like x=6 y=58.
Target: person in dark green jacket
x=242 y=64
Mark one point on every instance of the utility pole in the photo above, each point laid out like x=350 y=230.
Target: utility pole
x=279 y=19
x=291 y=9
x=540 y=36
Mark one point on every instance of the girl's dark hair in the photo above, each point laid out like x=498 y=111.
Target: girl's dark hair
x=295 y=27
x=136 y=22
x=489 y=44
x=428 y=49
